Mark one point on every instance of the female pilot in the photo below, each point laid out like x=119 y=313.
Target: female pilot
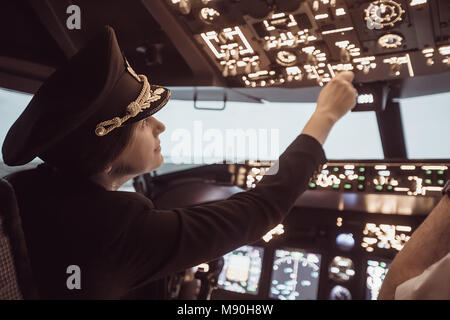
x=91 y=123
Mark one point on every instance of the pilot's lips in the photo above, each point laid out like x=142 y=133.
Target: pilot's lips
x=158 y=148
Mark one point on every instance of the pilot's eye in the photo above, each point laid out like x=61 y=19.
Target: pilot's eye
x=144 y=122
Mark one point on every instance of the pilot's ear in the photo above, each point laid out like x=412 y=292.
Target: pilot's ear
x=108 y=169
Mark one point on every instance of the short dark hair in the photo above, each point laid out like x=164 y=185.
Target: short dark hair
x=88 y=154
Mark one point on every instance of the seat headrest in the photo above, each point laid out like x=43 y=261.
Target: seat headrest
x=14 y=260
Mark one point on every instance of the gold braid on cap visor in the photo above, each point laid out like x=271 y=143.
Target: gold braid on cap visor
x=143 y=101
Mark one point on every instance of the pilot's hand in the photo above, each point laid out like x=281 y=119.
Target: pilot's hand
x=337 y=97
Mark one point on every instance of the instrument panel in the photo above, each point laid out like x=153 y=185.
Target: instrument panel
x=323 y=255
x=334 y=253
x=411 y=179
x=327 y=252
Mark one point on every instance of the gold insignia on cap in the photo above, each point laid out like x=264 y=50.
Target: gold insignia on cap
x=131 y=71
x=143 y=101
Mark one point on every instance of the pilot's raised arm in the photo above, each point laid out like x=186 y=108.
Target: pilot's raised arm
x=91 y=122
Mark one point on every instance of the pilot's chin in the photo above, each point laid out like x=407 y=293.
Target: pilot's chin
x=161 y=161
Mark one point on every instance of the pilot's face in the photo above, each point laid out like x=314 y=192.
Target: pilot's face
x=143 y=153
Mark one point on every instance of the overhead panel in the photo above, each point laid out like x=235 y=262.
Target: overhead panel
x=258 y=43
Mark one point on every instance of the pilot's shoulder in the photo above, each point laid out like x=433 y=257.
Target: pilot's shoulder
x=116 y=211
x=133 y=199
x=29 y=183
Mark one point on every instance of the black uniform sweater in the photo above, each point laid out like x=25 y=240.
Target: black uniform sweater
x=121 y=242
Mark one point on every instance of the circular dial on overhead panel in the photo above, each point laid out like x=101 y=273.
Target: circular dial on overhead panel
x=209 y=15
x=286 y=58
x=390 y=41
x=383 y=13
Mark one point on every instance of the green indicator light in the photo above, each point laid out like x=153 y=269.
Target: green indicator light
x=389 y=187
x=440 y=181
x=379 y=188
x=360 y=187
x=362 y=169
x=335 y=169
x=347 y=186
x=382 y=264
x=427 y=181
x=441 y=172
x=335 y=186
x=312 y=185
x=428 y=172
x=361 y=178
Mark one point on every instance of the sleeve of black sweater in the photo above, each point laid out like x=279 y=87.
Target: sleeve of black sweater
x=157 y=243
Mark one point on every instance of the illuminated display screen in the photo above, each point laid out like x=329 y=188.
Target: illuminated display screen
x=295 y=275
x=375 y=272
x=242 y=270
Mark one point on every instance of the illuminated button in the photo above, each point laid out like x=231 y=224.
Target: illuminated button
x=312 y=185
x=390 y=188
x=440 y=172
x=360 y=187
x=335 y=186
x=378 y=188
x=362 y=169
x=347 y=186
x=428 y=181
x=335 y=169
x=428 y=172
x=361 y=178
x=440 y=181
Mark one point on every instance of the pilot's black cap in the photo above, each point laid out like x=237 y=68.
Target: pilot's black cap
x=90 y=97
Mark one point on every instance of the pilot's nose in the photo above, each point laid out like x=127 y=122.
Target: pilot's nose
x=159 y=126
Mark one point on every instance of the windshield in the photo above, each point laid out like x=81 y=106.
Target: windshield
x=253 y=131
x=426 y=122
x=205 y=134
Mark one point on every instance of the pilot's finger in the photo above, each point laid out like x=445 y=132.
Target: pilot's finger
x=346 y=75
